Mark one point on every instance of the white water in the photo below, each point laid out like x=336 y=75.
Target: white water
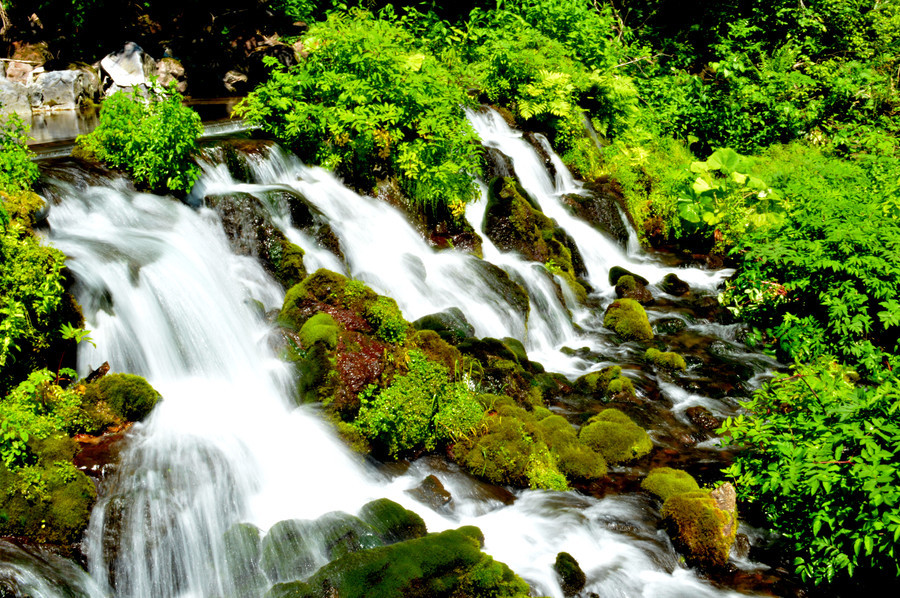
x=164 y=297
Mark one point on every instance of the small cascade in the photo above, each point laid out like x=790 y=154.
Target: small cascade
x=599 y=251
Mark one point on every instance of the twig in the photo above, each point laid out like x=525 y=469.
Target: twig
x=638 y=59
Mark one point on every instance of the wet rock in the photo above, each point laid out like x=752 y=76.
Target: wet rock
x=391 y=522
x=617 y=272
x=342 y=533
x=571 y=576
x=608 y=383
x=701 y=529
x=499 y=281
x=450 y=324
x=665 y=360
x=243 y=551
x=670 y=325
x=170 y=70
x=128 y=68
x=741 y=546
x=308 y=218
x=600 y=209
x=62 y=90
x=703 y=418
x=288 y=550
x=629 y=288
x=673 y=285
x=628 y=319
x=432 y=493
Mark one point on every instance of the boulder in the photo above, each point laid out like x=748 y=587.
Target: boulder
x=615 y=436
x=571 y=576
x=62 y=90
x=665 y=360
x=14 y=99
x=450 y=324
x=665 y=482
x=629 y=288
x=703 y=418
x=617 y=272
x=128 y=67
x=628 y=319
x=431 y=492
x=673 y=285
x=169 y=70
x=702 y=525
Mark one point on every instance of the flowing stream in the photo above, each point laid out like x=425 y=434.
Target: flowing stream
x=166 y=298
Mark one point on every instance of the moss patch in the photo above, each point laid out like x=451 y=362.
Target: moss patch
x=615 y=436
x=128 y=396
x=607 y=383
x=629 y=320
x=665 y=482
x=665 y=360
x=321 y=328
x=700 y=530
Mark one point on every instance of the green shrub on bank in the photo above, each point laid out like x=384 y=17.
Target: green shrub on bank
x=152 y=139
x=369 y=102
x=17 y=171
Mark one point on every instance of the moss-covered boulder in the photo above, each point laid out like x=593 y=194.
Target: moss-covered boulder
x=574 y=458
x=665 y=360
x=321 y=328
x=571 y=576
x=451 y=325
x=629 y=320
x=288 y=550
x=615 y=436
x=617 y=272
x=392 y=522
x=673 y=285
x=125 y=396
x=445 y=565
x=607 y=383
x=665 y=482
x=700 y=528
x=49 y=501
x=628 y=288
x=342 y=533
x=243 y=550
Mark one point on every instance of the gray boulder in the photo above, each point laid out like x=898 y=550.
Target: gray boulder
x=129 y=67
x=62 y=90
x=14 y=99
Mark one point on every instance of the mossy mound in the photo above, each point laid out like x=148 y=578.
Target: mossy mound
x=451 y=325
x=287 y=261
x=391 y=522
x=607 y=383
x=342 y=533
x=673 y=285
x=629 y=320
x=575 y=459
x=699 y=529
x=243 y=549
x=617 y=272
x=127 y=396
x=321 y=328
x=628 y=288
x=665 y=482
x=50 y=501
x=665 y=360
x=571 y=576
x=437 y=349
x=444 y=565
x=615 y=436
x=288 y=550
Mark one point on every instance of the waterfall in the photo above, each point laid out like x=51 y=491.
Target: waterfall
x=166 y=298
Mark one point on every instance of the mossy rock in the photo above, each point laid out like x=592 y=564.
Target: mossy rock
x=288 y=263
x=49 y=502
x=617 y=272
x=321 y=328
x=571 y=577
x=665 y=482
x=127 y=396
x=699 y=529
x=342 y=533
x=628 y=288
x=629 y=320
x=437 y=349
x=516 y=348
x=392 y=522
x=243 y=549
x=607 y=383
x=450 y=324
x=673 y=285
x=385 y=317
x=289 y=550
x=615 y=436
x=324 y=286
x=665 y=360
x=444 y=565
x=670 y=325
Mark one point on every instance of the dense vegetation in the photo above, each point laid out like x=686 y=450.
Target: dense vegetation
x=765 y=132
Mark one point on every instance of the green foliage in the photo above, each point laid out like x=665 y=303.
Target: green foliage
x=17 y=171
x=389 y=324
x=368 y=101
x=152 y=139
x=420 y=409
x=821 y=461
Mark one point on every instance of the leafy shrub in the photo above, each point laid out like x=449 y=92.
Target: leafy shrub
x=152 y=139
x=821 y=463
x=369 y=102
x=17 y=171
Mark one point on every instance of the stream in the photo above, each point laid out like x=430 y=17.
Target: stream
x=165 y=297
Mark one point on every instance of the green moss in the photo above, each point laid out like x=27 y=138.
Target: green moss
x=701 y=531
x=324 y=286
x=127 y=396
x=243 y=548
x=391 y=522
x=342 y=533
x=608 y=383
x=571 y=576
x=615 y=436
x=617 y=272
x=384 y=315
x=628 y=319
x=665 y=482
x=543 y=471
x=288 y=551
x=580 y=462
x=502 y=455
x=353 y=437
x=666 y=360
x=321 y=328
x=437 y=349
x=440 y=565
x=289 y=268
x=540 y=412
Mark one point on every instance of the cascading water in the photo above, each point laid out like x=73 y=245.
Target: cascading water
x=164 y=297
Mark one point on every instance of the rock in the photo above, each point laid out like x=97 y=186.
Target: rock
x=342 y=534
x=600 y=209
x=128 y=67
x=700 y=528
x=243 y=549
x=450 y=324
x=236 y=82
x=391 y=522
x=629 y=288
x=431 y=492
x=571 y=576
x=703 y=418
x=14 y=99
x=665 y=360
x=670 y=325
x=615 y=436
x=628 y=319
x=62 y=90
x=617 y=272
x=673 y=285
x=665 y=482
x=288 y=550
x=608 y=383
x=169 y=70
x=741 y=546
x=25 y=59
x=126 y=396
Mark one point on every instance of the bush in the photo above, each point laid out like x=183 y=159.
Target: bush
x=152 y=139
x=821 y=462
x=17 y=171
